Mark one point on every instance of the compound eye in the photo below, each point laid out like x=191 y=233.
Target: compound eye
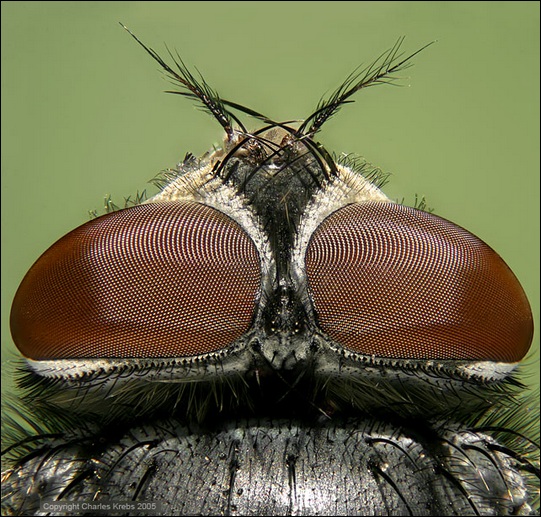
x=155 y=280
x=392 y=281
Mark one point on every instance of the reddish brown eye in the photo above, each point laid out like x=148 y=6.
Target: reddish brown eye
x=392 y=281
x=155 y=280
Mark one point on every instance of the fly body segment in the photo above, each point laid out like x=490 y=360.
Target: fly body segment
x=270 y=334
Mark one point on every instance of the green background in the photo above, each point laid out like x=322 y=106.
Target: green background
x=83 y=115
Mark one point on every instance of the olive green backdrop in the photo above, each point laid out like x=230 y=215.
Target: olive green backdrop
x=83 y=115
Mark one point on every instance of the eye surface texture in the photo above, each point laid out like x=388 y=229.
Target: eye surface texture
x=155 y=280
x=392 y=281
